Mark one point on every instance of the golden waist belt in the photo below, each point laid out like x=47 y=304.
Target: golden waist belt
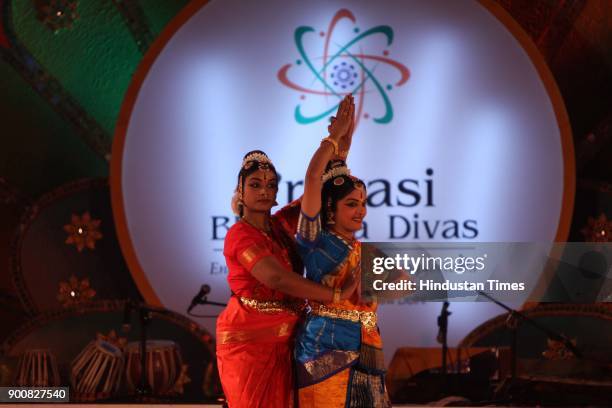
x=271 y=306
x=367 y=319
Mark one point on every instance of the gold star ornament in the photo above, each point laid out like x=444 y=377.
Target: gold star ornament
x=75 y=292
x=83 y=231
x=597 y=229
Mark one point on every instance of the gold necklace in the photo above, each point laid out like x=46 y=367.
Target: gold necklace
x=265 y=231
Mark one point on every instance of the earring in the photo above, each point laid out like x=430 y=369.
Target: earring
x=239 y=202
x=329 y=213
x=240 y=191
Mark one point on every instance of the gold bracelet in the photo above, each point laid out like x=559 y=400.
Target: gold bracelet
x=337 y=294
x=332 y=142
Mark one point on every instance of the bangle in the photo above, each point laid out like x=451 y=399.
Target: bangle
x=337 y=293
x=332 y=142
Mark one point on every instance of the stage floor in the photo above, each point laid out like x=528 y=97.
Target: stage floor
x=149 y=405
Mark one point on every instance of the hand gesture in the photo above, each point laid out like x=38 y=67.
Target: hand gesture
x=344 y=144
x=341 y=123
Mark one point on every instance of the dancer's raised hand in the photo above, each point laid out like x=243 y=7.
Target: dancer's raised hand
x=344 y=144
x=341 y=123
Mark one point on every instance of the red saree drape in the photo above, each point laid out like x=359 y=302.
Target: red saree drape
x=255 y=331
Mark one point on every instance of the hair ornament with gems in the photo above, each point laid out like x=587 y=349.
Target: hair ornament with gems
x=335 y=172
x=263 y=160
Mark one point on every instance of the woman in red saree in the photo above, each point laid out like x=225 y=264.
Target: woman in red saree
x=255 y=331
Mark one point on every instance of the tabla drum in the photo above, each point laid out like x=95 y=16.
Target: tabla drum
x=37 y=368
x=96 y=372
x=163 y=366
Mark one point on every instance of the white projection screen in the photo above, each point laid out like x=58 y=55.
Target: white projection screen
x=462 y=135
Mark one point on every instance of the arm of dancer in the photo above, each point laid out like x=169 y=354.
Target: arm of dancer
x=272 y=274
x=254 y=254
x=344 y=144
x=339 y=129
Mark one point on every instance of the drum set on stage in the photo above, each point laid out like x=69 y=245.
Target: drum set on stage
x=104 y=370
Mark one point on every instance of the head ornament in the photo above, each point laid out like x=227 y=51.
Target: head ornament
x=263 y=160
x=335 y=172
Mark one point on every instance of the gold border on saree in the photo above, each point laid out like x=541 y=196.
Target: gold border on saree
x=242 y=336
x=271 y=306
x=367 y=319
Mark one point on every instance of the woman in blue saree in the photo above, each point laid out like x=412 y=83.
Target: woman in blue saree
x=338 y=348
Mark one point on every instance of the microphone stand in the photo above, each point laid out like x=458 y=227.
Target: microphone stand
x=145 y=315
x=519 y=317
x=442 y=338
x=201 y=298
x=205 y=301
x=144 y=389
x=208 y=302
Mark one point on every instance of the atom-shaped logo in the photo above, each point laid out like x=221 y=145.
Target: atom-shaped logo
x=347 y=70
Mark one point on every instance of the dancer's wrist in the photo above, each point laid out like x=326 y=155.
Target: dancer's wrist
x=334 y=144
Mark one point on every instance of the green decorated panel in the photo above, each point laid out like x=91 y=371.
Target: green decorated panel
x=93 y=59
x=39 y=150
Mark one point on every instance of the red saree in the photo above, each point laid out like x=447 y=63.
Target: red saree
x=255 y=331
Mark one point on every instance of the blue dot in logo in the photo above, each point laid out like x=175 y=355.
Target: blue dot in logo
x=356 y=29
x=298 y=62
x=389 y=87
